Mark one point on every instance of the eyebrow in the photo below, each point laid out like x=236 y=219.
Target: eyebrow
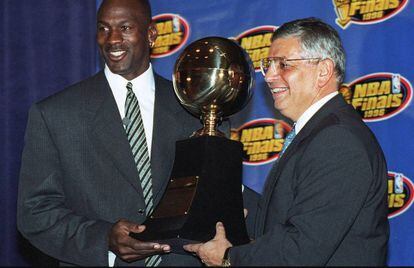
x=118 y=23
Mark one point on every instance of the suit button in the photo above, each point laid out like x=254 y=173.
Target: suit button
x=141 y=211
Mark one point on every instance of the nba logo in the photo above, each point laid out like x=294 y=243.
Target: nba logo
x=396 y=83
x=398 y=183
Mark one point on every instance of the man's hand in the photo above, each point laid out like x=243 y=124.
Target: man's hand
x=211 y=253
x=128 y=248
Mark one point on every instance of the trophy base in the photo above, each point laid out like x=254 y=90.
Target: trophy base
x=171 y=238
x=205 y=187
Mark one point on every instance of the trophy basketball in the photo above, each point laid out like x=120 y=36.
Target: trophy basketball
x=212 y=79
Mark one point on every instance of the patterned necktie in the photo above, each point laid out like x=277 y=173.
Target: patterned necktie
x=136 y=137
x=288 y=140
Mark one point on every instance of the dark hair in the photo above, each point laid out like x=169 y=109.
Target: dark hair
x=147 y=8
x=318 y=39
x=145 y=4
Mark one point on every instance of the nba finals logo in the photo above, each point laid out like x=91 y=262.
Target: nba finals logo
x=366 y=11
x=173 y=32
x=262 y=140
x=400 y=194
x=378 y=96
x=256 y=42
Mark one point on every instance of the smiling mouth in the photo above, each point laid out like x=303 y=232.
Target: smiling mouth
x=116 y=55
x=278 y=90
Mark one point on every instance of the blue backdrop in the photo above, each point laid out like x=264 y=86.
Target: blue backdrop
x=49 y=44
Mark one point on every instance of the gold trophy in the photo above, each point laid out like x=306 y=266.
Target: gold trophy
x=212 y=79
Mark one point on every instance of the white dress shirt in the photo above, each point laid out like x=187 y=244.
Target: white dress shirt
x=144 y=89
x=307 y=115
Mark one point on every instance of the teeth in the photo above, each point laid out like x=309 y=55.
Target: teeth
x=279 y=89
x=117 y=53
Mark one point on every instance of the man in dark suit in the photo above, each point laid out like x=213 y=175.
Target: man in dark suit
x=98 y=154
x=325 y=199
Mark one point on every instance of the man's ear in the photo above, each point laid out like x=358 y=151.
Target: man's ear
x=152 y=34
x=326 y=70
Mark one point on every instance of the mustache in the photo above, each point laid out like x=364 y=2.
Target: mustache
x=116 y=47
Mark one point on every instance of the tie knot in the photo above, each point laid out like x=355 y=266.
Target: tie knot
x=288 y=139
x=129 y=86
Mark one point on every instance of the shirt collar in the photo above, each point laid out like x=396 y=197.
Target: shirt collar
x=144 y=81
x=307 y=115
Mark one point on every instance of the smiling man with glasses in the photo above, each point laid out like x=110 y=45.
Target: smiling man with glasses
x=325 y=199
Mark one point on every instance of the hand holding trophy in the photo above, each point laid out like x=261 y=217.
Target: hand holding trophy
x=212 y=79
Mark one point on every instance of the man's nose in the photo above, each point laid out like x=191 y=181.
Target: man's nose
x=272 y=74
x=114 y=37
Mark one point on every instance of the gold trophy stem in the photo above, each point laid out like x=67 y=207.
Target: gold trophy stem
x=210 y=122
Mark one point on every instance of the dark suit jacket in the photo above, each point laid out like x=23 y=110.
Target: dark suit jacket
x=78 y=175
x=325 y=200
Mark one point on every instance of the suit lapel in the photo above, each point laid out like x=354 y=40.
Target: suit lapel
x=107 y=131
x=108 y=135
x=274 y=174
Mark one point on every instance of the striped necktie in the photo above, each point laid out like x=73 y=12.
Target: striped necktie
x=136 y=137
x=288 y=140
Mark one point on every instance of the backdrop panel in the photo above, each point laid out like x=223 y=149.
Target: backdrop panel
x=377 y=37
x=45 y=46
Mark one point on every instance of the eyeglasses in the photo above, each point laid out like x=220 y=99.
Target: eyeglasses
x=279 y=62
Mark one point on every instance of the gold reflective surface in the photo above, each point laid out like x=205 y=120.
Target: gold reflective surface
x=213 y=78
